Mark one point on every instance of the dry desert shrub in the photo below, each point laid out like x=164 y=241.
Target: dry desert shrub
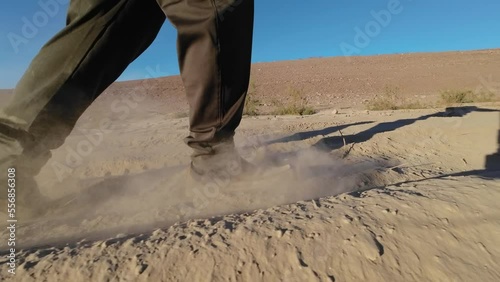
x=465 y=96
x=251 y=103
x=298 y=104
x=391 y=99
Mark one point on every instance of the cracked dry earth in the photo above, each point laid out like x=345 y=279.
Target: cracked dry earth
x=408 y=200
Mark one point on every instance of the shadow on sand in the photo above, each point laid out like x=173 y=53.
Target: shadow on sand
x=492 y=162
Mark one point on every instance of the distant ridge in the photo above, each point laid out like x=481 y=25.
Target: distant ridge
x=341 y=81
x=348 y=82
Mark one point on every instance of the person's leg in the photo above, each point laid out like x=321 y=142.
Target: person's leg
x=214 y=48
x=100 y=40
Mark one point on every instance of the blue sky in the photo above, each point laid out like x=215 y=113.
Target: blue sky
x=286 y=30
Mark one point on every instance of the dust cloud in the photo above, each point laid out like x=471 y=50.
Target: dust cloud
x=136 y=203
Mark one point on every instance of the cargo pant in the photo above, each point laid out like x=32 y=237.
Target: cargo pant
x=101 y=38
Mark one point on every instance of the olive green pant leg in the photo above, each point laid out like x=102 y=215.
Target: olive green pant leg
x=100 y=40
x=214 y=48
x=214 y=45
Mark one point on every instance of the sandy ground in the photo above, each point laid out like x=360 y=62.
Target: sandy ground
x=406 y=198
x=375 y=196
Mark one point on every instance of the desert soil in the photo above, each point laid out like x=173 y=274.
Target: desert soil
x=375 y=196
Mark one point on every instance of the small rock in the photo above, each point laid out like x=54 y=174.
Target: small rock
x=103 y=245
x=347 y=219
x=140 y=268
x=335 y=111
x=157 y=232
x=445 y=220
x=279 y=233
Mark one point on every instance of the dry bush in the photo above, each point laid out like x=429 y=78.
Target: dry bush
x=251 y=103
x=297 y=106
x=465 y=96
x=391 y=100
